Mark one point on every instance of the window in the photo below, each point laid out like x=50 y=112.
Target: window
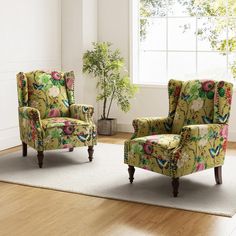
x=183 y=39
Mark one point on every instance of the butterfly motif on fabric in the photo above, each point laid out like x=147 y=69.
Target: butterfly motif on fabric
x=207 y=120
x=224 y=118
x=85 y=109
x=38 y=87
x=84 y=137
x=162 y=164
x=66 y=103
x=215 y=151
x=167 y=126
x=185 y=97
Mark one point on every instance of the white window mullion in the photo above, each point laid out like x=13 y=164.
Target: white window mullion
x=167 y=40
x=134 y=41
x=196 y=44
x=227 y=39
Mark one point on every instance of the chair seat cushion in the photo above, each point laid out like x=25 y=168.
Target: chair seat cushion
x=65 y=132
x=62 y=122
x=165 y=141
x=152 y=152
x=154 y=146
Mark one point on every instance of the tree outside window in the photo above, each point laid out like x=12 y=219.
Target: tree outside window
x=186 y=37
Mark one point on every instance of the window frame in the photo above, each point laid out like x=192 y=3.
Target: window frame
x=134 y=46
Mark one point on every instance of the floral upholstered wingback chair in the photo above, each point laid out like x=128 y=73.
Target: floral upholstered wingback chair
x=192 y=138
x=48 y=116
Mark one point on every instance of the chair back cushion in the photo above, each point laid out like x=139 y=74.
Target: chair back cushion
x=50 y=93
x=202 y=102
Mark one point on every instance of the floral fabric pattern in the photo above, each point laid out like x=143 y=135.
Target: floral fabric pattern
x=48 y=117
x=192 y=142
x=195 y=105
x=31 y=127
x=47 y=93
x=82 y=112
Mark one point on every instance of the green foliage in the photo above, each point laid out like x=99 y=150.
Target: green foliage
x=106 y=65
x=233 y=68
x=149 y=8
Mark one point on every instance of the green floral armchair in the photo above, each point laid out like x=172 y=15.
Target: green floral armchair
x=48 y=116
x=192 y=138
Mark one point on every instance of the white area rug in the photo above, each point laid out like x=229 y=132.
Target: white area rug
x=107 y=176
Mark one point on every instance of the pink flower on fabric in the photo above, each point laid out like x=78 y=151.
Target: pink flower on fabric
x=177 y=91
x=200 y=166
x=21 y=83
x=225 y=144
x=68 y=130
x=228 y=95
x=221 y=84
x=67 y=123
x=148 y=148
x=224 y=132
x=208 y=85
x=70 y=83
x=55 y=75
x=54 y=113
x=216 y=98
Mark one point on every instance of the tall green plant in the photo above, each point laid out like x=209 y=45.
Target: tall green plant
x=107 y=65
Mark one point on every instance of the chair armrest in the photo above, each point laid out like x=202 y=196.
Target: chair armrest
x=82 y=112
x=31 y=131
x=150 y=126
x=201 y=147
x=30 y=114
x=198 y=132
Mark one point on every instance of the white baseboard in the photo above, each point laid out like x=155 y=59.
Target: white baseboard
x=129 y=128
x=9 y=137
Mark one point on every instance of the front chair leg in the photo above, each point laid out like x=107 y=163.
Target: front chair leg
x=175 y=185
x=218 y=174
x=24 y=149
x=90 y=152
x=131 y=171
x=40 y=158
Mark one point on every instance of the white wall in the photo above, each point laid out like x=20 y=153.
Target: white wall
x=113 y=26
x=79 y=30
x=30 y=38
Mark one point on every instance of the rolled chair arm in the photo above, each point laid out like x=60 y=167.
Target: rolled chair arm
x=151 y=125
x=201 y=147
x=31 y=114
x=30 y=127
x=198 y=132
x=82 y=112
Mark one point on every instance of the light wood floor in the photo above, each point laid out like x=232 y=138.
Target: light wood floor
x=33 y=211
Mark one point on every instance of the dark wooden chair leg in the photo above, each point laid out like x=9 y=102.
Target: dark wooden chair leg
x=218 y=174
x=71 y=149
x=24 y=149
x=40 y=158
x=131 y=171
x=90 y=152
x=175 y=185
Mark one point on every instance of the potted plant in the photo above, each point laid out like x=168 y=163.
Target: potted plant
x=107 y=66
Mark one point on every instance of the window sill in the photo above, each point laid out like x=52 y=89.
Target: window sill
x=163 y=86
